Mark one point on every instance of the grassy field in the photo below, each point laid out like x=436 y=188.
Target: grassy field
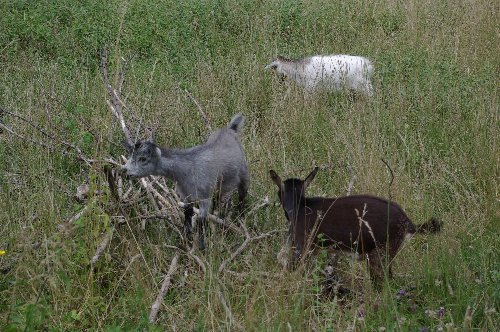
x=434 y=118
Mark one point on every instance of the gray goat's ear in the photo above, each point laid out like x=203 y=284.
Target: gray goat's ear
x=152 y=137
x=127 y=146
x=158 y=151
x=276 y=179
x=310 y=177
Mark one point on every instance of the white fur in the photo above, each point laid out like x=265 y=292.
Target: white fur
x=328 y=72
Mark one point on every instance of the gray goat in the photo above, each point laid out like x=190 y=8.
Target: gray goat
x=217 y=167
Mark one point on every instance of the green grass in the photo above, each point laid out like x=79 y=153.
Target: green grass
x=434 y=118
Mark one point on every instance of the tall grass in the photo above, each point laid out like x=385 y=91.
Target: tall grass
x=434 y=119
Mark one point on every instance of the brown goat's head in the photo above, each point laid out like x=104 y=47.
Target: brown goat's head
x=291 y=192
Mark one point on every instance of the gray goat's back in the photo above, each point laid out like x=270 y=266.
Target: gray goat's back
x=219 y=162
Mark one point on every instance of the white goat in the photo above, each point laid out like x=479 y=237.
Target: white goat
x=328 y=72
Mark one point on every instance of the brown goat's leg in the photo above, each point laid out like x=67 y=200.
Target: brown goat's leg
x=375 y=266
x=298 y=246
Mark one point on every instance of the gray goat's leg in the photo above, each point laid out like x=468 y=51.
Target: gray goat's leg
x=202 y=222
x=242 y=194
x=188 y=224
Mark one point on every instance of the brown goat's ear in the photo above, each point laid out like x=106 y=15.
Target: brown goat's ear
x=310 y=177
x=276 y=179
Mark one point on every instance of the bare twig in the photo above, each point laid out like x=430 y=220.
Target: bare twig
x=12 y=132
x=265 y=202
x=228 y=311
x=207 y=121
x=197 y=260
x=242 y=247
x=190 y=254
x=79 y=154
x=78 y=215
x=114 y=102
x=234 y=254
x=102 y=246
x=121 y=75
x=45 y=133
x=164 y=288
x=213 y=218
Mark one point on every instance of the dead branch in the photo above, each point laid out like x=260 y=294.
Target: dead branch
x=190 y=254
x=164 y=288
x=78 y=215
x=12 y=132
x=78 y=152
x=207 y=121
x=115 y=104
x=242 y=247
x=197 y=260
x=102 y=246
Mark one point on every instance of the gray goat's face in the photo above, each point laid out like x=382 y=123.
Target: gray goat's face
x=144 y=159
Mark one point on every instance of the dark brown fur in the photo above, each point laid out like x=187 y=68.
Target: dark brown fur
x=369 y=225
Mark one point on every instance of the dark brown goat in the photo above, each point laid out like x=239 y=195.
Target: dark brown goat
x=369 y=225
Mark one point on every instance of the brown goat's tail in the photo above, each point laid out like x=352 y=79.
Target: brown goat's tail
x=432 y=226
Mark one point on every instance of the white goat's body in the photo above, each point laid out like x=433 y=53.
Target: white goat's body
x=328 y=72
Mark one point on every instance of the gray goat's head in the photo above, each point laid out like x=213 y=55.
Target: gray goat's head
x=144 y=159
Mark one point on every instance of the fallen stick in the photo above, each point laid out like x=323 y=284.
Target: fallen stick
x=78 y=215
x=164 y=288
x=102 y=246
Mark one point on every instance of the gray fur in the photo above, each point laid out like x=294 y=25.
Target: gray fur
x=216 y=167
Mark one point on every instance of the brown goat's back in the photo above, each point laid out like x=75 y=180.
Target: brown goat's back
x=359 y=223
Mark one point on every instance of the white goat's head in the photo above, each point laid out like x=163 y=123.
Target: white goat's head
x=277 y=63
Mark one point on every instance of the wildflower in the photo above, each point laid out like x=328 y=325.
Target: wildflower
x=440 y=312
x=361 y=313
x=2 y=252
x=401 y=293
